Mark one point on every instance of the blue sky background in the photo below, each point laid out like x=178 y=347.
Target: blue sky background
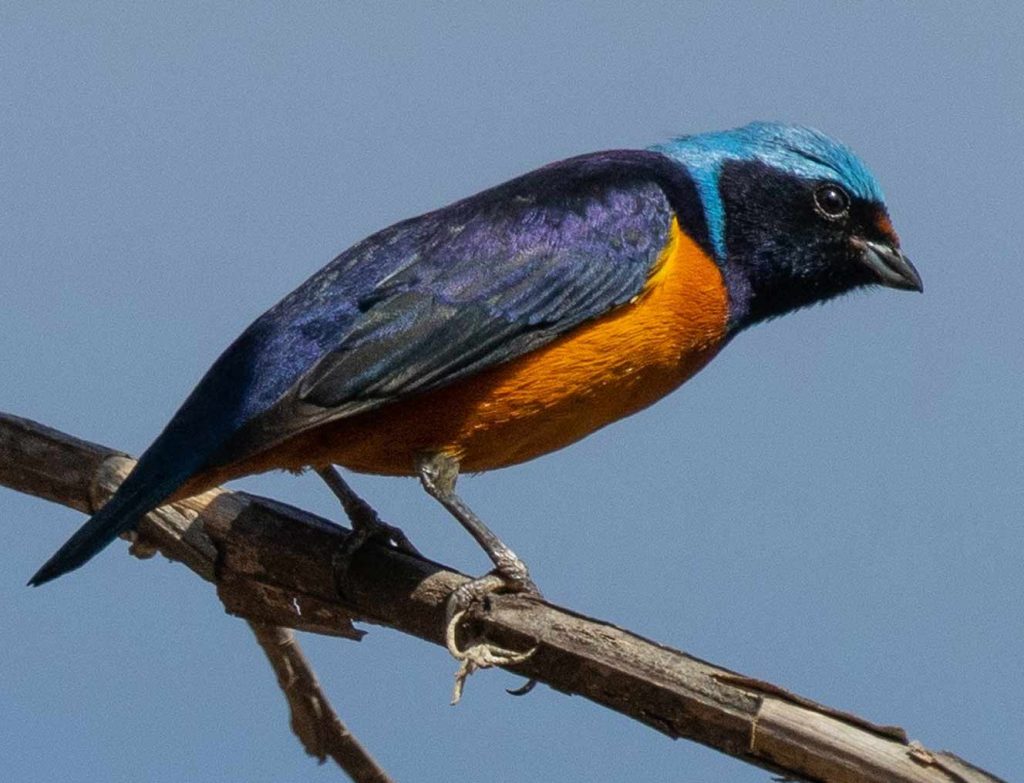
x=833 y=505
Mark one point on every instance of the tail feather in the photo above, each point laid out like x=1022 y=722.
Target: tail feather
x=138 y=495
x=225 y=399
x=119 y=515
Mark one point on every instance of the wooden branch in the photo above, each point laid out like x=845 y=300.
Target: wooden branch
x=314 y=721
x=272 y=565
x=49 y=464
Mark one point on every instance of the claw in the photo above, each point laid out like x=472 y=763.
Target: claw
x=480 y=655
x=523 y=689
x=397 y=538
x=477 y=656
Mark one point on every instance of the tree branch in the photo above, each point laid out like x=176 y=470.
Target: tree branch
x=49 y=464
x=313 y=719
x=272 y=565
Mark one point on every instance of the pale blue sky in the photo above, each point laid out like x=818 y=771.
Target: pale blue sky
x=833 y=505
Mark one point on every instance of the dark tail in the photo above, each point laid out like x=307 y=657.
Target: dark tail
x=225 y=399
x=138 y=495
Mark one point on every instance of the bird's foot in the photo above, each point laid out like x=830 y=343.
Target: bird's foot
x=382 y=533
x=366 y=522
x=514 y=578
x=368 y=529
x=367 y=526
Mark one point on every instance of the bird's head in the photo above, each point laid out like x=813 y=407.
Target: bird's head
x=793 y=218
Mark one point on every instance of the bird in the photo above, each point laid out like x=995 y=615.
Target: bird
x=517 y=321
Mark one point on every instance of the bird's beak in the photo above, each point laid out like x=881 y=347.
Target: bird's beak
x=892 y=268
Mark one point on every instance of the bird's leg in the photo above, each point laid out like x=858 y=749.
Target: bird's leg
x=366 y=525
x=438 y=474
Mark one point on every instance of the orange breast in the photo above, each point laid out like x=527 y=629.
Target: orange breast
x=549 y=398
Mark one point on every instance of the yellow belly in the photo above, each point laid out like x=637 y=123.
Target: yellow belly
x=549 y=398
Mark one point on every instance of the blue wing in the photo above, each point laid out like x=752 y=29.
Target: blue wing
x=414 y=307
x=467 y=287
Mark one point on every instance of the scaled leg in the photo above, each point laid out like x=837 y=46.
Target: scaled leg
x=438 y=474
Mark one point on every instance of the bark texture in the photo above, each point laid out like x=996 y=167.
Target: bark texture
x=272 y=565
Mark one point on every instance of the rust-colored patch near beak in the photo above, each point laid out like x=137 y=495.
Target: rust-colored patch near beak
x=884 y=226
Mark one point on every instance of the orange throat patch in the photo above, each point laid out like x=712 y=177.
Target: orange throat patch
x=600 y=372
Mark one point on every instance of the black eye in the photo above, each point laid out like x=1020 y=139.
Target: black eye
x=831 y=201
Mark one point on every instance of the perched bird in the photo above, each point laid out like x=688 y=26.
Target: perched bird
x=519 y=320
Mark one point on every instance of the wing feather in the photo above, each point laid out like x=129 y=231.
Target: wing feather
x=459 y=290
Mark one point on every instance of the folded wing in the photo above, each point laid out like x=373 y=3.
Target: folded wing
x=459 y=290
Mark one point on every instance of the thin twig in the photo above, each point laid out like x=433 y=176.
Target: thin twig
x=314 y=721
